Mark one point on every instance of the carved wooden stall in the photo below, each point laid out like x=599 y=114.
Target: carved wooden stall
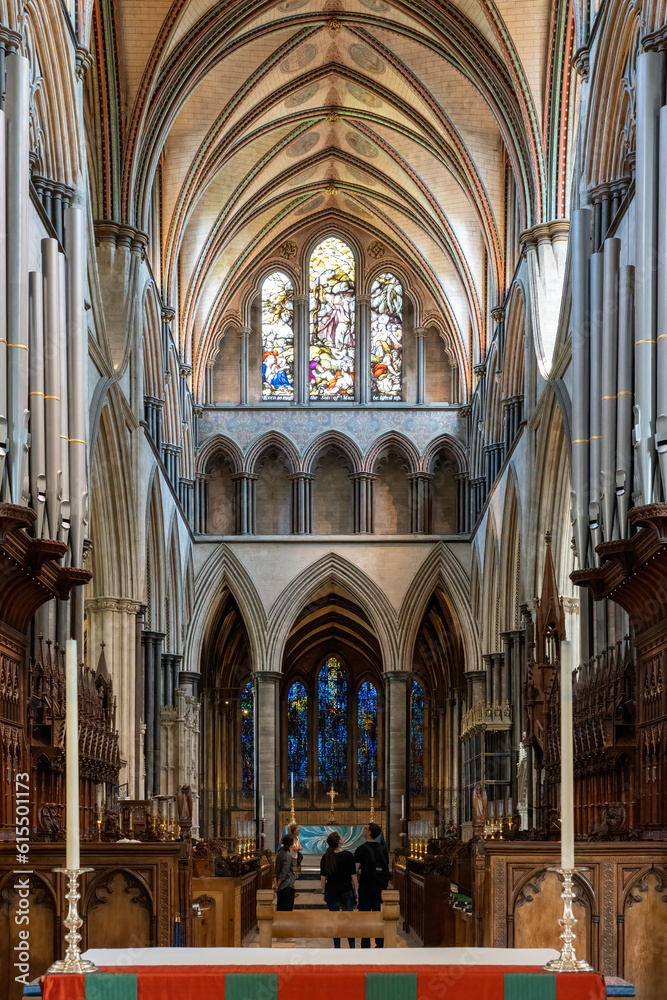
x=131 y=899
x=435 y=893
x=224 y=895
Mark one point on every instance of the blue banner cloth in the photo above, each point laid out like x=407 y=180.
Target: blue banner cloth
x=314 y=838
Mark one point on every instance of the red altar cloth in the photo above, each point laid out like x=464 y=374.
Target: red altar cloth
x=448 y=982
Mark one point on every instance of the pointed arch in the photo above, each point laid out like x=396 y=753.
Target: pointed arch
x=215 y=446
x=332 y=440
x=274 y=441
x=393 y=441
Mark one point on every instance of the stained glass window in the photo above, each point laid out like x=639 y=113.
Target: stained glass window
x=386 y=338
x=417 y=738
x=277 y=337
x=367 y=720
x=332 y=321
x=247 y=741
x=332 y=725
x=297 y=736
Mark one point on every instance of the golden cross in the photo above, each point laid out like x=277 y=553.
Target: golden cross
x=332 y=795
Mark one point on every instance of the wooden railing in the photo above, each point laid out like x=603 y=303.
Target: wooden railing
x=308 y=924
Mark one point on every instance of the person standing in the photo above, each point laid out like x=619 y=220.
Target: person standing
x=283 y=881
x=338 y=875
x=297 y=851
x=372 y=863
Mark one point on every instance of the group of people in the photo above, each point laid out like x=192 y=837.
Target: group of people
x=347 y=880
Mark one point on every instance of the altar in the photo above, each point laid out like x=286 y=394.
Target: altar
x=314 y=838
x=266 y=974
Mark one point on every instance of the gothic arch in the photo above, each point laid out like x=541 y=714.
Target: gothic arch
x=332 y=440
x=273 y=441
x=391 y=442
x=219 y=445
x=445 y=444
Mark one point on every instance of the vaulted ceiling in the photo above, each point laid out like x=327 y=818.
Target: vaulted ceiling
x=397 y=122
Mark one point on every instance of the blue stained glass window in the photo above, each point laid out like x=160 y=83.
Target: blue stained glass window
x=417 y=739
x=297 y=736
x=386 y=338
x=332 y=321
x=367 y=719
x=247 y=741
x=332 y=725
x=277 y=337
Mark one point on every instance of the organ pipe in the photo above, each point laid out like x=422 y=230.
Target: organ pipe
x=77 y=351
x=36 y=389
x=595 y=427
x=626 y=318
x=51 y=273
x=17 y=104
x=661 y=338
x=646 y=190
x=612 y=251
x=63 y=535
x=581 y=242
x=3 y=311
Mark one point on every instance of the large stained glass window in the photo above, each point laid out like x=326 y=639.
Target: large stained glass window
x=277 y=337
x=367 y=720
x=332 y=321
x=332 y=726
x=297 y=736
x=386 y=338
x=417 y=738
x=247 y=741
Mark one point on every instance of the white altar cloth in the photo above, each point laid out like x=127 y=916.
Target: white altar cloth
x=117 y=957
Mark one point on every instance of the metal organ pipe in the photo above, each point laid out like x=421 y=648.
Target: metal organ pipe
x=77 y=377
x=63 y=422
x=661 y=338
x=17 y=108
x=595 y=402
x=36 y=389
x=51 y=273
x=581 y=243
x=649 y=85
x=3 y=286
x=612 y=252
x=626 y=328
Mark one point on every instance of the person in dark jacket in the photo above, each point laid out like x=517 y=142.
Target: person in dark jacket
x=372 y=863
x=284 y=880
x=339 y=879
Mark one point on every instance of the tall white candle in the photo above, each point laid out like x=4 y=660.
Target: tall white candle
x=291 y=778
x=262 y=807
x=402 y=806
x=566 y=758
x=372 y=780
x=72 y=754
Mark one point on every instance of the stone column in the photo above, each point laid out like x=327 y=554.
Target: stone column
x=420 y=503
x=455 y=392
x=463 y=503
x=244 y=333
x=113 y=621
x=420 y=334
x=498 y=316
x=363 y=484
x=267 y=751
x=396 y=754
x=363 y=349
x=301 y=351
x=201 y=503
x=301 y=503
x=245 y=502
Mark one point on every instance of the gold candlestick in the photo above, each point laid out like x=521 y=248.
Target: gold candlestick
x=372 y=815
x=292 y=817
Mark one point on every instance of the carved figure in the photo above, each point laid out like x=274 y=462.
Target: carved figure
x=479 y=804
x=612 y=826
x=184 y=803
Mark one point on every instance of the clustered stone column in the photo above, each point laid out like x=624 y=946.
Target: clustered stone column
x=200 y=519
x=363 y=485
x=267 y=752
x=244 y=502
x=244 y=381
x=153 y=699
x=464 y=526
x=363 y=349
x=302 y=503
x=397 y=728
x=153 y=417
x=301 y=353
x=420 y=335
x=421 y=502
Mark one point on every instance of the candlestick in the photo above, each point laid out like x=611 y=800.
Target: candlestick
x=566 y=758
x=72 y=962
x=567 y=961
x=372 y=780
x=72 y=754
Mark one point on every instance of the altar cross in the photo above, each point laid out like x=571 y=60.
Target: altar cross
x=332 y=795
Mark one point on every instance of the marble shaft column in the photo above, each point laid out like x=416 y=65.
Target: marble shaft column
x=301 y=502
x=3 y=271
x=201 y=502
x=363 y=349
x=595 y=402
x=267 y=752
x=626 y=326
x=77 y=371
x=363 y=485
x=487 y=659
x=581 y=241
x=420 y=341
x=36 y=388
x=244 y=382
x=396 y=753
x=420 y=503
x=612 y=249
x=245 y=502
x=648 y=101
x=17 y=175
x=462 y=503
x=301 y=352
x=159 y=702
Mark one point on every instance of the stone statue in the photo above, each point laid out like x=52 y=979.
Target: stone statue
x=184 y=803
x=479 y=803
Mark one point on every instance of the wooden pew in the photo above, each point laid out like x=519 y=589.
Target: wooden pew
x=325 y=924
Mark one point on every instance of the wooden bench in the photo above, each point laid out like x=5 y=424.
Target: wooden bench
x=325 y=924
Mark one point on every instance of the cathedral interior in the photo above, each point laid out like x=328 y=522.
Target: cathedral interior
x=333 y=421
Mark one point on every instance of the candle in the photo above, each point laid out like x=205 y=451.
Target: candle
x=372 y=780
x=566 y=758
x=291 y=778
x=402 y=806
x=262 y=807
x=72 y=754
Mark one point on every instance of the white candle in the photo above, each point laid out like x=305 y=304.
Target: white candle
x=262 y=807
x=372 y=780
x=291 y=778
x=72 y=754
x=567 y=758
x=402 y=806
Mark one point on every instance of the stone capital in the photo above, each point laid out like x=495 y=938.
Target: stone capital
x=118 y=604
x=396 y=676
x=267 y=676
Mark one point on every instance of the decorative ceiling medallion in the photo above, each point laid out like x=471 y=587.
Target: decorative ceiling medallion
x=288 y=250
x=333 y=117
x=297 y=60
x=303 y=144
x=354 y=206
x=364 y=147
x=376 y=250
x=310 y=206
x=302 y=176
x=302 y=95
x=366 y=58
x=332 y=189
x=333 y=24
x=363 y=95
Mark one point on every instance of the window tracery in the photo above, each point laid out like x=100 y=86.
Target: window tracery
x=367 y=722
x=297 y=735
x=416 y=738
x=247 y=741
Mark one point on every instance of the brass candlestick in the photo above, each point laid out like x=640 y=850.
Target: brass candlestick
x=567 y=961
x=292 y=817
x=372 y=815
x=72 y=963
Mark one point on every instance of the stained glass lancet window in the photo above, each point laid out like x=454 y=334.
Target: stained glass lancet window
x=247 y=741
x=277 y=337
x=367 y=720
x=417 y=738
x=332 y=321
x=297 y=735
x=332 y=725
x=386 y=338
